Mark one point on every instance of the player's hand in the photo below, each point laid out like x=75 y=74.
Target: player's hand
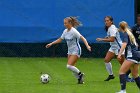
x=119 y=57
x=99 y=39
x=48 y=45
x=89 y=48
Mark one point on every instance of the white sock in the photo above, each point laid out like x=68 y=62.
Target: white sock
x=124 y=90
x=109 y=68
x=73 y=69
x=76 y=75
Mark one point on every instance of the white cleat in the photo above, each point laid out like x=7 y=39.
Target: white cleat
x=122 y=91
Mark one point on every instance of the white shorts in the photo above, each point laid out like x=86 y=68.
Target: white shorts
x=115 y=51
x=74 y=53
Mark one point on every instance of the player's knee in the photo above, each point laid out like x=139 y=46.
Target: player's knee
x=106 y=60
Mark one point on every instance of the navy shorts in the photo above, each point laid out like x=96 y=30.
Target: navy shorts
x=135 y=57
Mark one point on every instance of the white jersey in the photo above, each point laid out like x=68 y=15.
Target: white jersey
x=113 y=32
x=72 y=38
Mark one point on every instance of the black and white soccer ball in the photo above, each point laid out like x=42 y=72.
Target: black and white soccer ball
x=44 y=78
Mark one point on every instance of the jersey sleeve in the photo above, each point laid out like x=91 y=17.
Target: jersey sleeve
x=77 y=34
x=125 y=37
x=63 y=35
x=113 y=31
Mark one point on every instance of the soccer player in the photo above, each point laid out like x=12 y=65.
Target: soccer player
x=136 y=30
x=113 y=37
x=133 y=56
x=72 y=36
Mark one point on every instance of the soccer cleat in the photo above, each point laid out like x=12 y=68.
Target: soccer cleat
x=81 y=79
x=130 y=80
x=109 y=77
x=122 y=91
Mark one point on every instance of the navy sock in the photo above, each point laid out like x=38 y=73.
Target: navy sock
x=123 y=81
x=128 y=72
x=137 y=80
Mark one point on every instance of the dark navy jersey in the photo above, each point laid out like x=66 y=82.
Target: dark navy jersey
x=132 y=50
x=130 y=47
x=136 y=33
x=126 y=39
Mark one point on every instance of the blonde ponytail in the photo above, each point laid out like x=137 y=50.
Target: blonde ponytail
x=74 y=21
x=124 y=27
x=131 y=36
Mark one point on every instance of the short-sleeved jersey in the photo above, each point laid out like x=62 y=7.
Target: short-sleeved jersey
x=113 y=32
x=72 y=38
x=136 y=33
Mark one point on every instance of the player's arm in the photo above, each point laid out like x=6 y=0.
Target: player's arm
x=112 y=35
x=106 y=39
x=59 y=40
x=124 y=44
x=85 y=42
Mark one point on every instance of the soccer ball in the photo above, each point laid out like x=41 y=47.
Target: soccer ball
x=45 y=78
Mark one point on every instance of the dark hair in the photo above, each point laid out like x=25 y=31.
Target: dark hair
x=111 y=19
x=138 y=15
x=74 y=21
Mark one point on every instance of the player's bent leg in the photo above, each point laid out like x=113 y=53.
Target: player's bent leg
x=122 y=75
x=72 y=59
x=128 y=79
x=125 y=67
x=71 y=63
x=108 y=58
x=136 y=75
x=135 y=70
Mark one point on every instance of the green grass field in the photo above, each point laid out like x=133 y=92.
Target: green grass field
x=22 y=75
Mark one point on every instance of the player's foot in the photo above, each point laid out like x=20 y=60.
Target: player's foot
x=109 y=77
x=130 y=80
x=122 y=91
x=81 y=79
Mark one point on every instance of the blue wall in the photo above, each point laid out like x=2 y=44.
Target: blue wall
x=36 y=21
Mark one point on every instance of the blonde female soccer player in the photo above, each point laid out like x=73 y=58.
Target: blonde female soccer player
x=133 y=56
x=113 y=37
x=72 y=36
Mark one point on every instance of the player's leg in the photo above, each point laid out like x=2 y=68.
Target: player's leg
x=136 y=75
x=72 y=59
x=75 y=74
x=109 y=56
x=128 y=79
x=122 y=74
